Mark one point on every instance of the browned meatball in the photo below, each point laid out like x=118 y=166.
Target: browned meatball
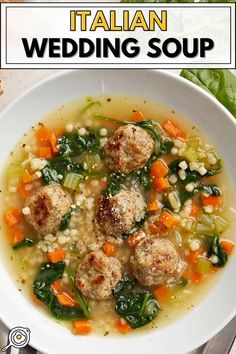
x=47 y=206
x=98 y=275
x=155 y=260
x=129 y=148
x=117 y=214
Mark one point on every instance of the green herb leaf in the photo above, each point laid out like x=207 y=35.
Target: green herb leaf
x=136 y=305
x=65 y=220
x=47 y=274
x=27 y=242
x=217 y=250
x=220 y=83
x=212 y=189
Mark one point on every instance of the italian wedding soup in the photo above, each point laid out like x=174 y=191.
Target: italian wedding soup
x=117 y=215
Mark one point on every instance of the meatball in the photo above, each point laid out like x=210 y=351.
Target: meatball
x=98 y=275
x=47 y=206
x=117 y=214
x=155 y=260
x=129 y=148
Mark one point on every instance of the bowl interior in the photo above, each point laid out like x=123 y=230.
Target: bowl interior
x=219 y=306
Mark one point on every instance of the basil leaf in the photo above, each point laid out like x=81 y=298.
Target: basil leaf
x=218 y=82
x=27 y=242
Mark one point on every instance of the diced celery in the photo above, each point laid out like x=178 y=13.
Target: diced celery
x=72 y=181
x=174 y=200
x=194 y=142
x=14 y=175
x=220 y=223
x=203 y=229
x=190 y=154
x=93 y=162
x=203 y=265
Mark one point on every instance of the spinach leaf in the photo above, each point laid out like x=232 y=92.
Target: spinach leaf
x=78 y=295
x=166 y=147
x=49 y=175
x=218 y=82
x=26 y=242
x=72 y=144
x=136 y=305
x=174 y=166
x=65 y=220
x=184 y=195
x=116 y=181
x=47 y=274
x=217 y=250
x=212 y=189
x=135 y=227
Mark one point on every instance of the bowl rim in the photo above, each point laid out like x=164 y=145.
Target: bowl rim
x=164 y=73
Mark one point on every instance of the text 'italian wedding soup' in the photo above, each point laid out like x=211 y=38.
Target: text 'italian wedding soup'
x=117 y=213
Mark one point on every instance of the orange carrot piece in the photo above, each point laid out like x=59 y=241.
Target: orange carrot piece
x=109 y=249
x=193 y=256
x=157 y=228
x=168 y=219
x=161 y=184
x=171 y=128
x=123 y=326
x=196 y=277
x=36 y=300
x=27 y=178
x=12 y=217
x=135 y=238
x=56 y=287
x=183 y=136
x=137 y=116
x=43 y=135
x=162 y=292
x=196 y=210
x=56 y=256
x=15 y=235
x=212 y=200
x=82 y=327
x=45 y=152
x=159 y=169
x=23 y=192
x=53 y=142
x=152 y=206
x=65 y=299
x=227 y=246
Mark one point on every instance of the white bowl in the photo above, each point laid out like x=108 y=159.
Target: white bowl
x=219 y=306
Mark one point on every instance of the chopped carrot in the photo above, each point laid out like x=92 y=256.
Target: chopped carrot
x=82 y=327
x=162 y=292
x=171 y=128
x=161 y=184
x=36 y=300
x=12 y=217
x=58 y=133
x=159 y=169
x=109 y=249
x=135 y=238
x=152 y=206
x=196 y=210
x=137 y=116
x=56 y=287
x=43 y=135
x=53 y=142
x=212 y=200
x=27 y=178
x=168 y=219
x=65 y=299
x=23 y=192
x=157 y=228
x=56 y=256
x=227 y=246
x=123 y=326
x=193 y=255
x=182 y=136
x=16 y=236
x=45 y=152
x=196 y=277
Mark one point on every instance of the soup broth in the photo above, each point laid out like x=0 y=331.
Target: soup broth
x=187 y=202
